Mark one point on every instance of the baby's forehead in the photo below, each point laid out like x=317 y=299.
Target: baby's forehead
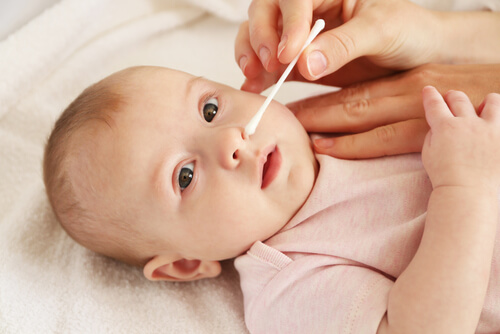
x=146 y=76
x=152 y=87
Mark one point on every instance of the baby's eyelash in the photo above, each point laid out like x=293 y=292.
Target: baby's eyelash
x=210 y=106
x=207 y=96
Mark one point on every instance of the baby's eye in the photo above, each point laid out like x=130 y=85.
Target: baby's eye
x=210 y=109
x=186 y=175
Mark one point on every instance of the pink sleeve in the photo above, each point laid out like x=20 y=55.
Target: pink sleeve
x=313 y=294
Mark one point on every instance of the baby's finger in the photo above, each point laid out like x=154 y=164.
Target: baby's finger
x=435 y=107
x=399 y=138
x=360 y=115
x=459 y=104
x=490 y=108
x=244 y=55
x=297 y=19
x=263 y=29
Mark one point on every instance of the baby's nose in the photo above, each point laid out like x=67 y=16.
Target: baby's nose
x=229 y=145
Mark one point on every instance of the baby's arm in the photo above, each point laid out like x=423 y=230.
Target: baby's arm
x=443 y=288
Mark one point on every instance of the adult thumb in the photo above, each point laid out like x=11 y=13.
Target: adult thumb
x=336 y=47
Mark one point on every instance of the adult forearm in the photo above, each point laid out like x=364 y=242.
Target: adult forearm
x=443 y=288
x=469 y=37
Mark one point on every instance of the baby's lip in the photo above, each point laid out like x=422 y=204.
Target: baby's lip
x=269 y=164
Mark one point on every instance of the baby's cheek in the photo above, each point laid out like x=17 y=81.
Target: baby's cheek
x=286 y=121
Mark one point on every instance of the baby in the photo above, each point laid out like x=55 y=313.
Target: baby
x=152 y=167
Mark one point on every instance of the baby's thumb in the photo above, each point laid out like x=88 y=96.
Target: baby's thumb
x=334 y=48
x=434 y=105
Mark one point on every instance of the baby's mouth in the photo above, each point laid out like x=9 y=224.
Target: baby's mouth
x=271 y=167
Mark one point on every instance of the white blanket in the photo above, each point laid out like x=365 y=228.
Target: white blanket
x=48 y=283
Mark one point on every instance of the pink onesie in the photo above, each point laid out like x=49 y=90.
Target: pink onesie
x=330 y=269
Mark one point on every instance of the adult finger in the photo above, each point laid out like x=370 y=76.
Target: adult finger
x=404 y=137
x=491 y=107
x=297 y=20
x=382 y=87
x=260 y=83
x=360 y=115
x=263 y=32
x=336 y=47
x=244 y=55
x=459 y=104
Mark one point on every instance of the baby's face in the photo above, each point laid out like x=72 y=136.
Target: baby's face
x=178 y=151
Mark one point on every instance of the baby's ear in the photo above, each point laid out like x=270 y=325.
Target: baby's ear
x=166 y=268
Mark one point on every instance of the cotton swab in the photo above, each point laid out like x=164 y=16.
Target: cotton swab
x=252 y=125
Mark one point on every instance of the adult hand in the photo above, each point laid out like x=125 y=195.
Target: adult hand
x=396 y=34
x=386 y=116
x=374 y=37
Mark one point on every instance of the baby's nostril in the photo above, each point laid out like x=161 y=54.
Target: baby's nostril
x=235 y=155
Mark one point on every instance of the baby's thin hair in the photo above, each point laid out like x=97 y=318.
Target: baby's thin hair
x=100 y=232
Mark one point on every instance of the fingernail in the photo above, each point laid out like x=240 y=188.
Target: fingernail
x=264 y=55
x=316 y=63
x=323 y=143
x=243 y=63
x=282 y=44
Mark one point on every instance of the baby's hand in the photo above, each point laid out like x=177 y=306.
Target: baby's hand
x=462 y=148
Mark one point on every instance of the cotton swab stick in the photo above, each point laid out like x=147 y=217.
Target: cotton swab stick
x=252 y=125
